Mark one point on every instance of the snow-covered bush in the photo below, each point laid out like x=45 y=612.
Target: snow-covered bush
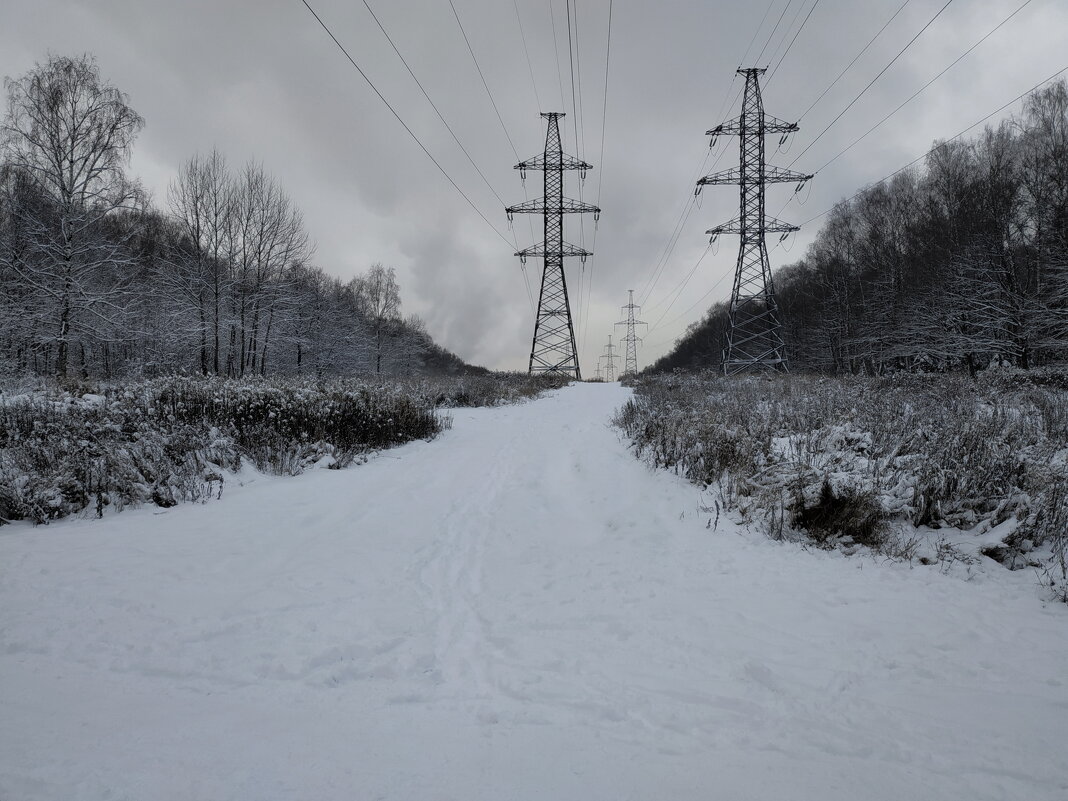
x=170 y=440
x=488 y=389
x=839 y=455
x=278 y=424
x=62 y=454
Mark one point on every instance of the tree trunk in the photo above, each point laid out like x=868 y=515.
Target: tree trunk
x=64 y=331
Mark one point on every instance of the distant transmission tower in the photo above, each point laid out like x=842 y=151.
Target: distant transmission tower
x=630 y=359
x=609 y=357
x=553 y=349
x=754 y=339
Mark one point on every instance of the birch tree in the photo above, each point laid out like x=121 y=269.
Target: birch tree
x=379 y=297
x=202 y=199
x=268 y=238
x=69 y=132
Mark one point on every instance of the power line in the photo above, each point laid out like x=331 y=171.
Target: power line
x=526 y=284
x=676 y=233
x=575 y=64
x=873 y=80
x=783 y=56
x=919 y=91
x=677 y=296
x=530 y=66
x=786 y=31
x=868 y=186
x=911 y=163
x=772 y=34
x=680 y=224
x=571 y=67
x=433 y=105
x=684 y=216
x=669 y=246
x=848 y=66
x=411 y=133
x=556 y=48
x=679 y=288
x=687 y=209
x=496 y=111
x=756 y=33
x=578 y=146
x=489 y=94
x=600 y=171
x=581 y=146
x=931 y=150
x=699 y=301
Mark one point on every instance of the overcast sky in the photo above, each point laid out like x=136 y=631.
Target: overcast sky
x=259 y=79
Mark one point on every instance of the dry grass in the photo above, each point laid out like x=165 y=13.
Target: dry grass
x=842 y=455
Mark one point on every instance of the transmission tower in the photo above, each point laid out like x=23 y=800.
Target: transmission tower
x=600 y=376
x=609 y=357
x=754 y=339
x=630 y=359
x=553 y=349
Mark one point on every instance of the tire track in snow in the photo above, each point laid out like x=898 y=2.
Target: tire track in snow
x=450 y=573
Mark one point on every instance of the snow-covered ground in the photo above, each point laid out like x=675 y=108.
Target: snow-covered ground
x=517 y=610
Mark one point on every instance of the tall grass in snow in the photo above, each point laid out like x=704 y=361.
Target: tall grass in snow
x=840 y=458
x=175 y=439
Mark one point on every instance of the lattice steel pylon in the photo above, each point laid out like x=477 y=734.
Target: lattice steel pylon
x=754 y=339
x=609 y=356
x=553 y=348
x=631 y=340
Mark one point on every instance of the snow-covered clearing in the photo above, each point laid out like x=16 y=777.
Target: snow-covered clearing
x=519 y=609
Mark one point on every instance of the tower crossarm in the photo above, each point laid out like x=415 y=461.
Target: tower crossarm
x=565 y=162
x=539 y=206
x=736 y=127
x=568 y=250
x=771 y=226
x=772 y=175
x=628 y=338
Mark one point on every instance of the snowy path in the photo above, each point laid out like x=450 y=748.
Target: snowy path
x=518 y=610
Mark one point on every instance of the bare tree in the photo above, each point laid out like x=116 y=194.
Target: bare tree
x=202 y=200
x=379 y=298
x=268 y=236
x=23 y=311
x=412 y=345
x=69 y=133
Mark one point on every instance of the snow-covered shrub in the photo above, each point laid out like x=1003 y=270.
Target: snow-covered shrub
x=487 y=389
x=1046 y=526
x=173 y=439
x=840 y=454
x=279 y=425
x=850 y=512
x=60 y=455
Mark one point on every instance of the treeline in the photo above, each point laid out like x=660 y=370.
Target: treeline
x=96 y=282
x=953 y=266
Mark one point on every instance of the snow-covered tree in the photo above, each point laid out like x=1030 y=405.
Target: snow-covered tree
x=68 y=133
